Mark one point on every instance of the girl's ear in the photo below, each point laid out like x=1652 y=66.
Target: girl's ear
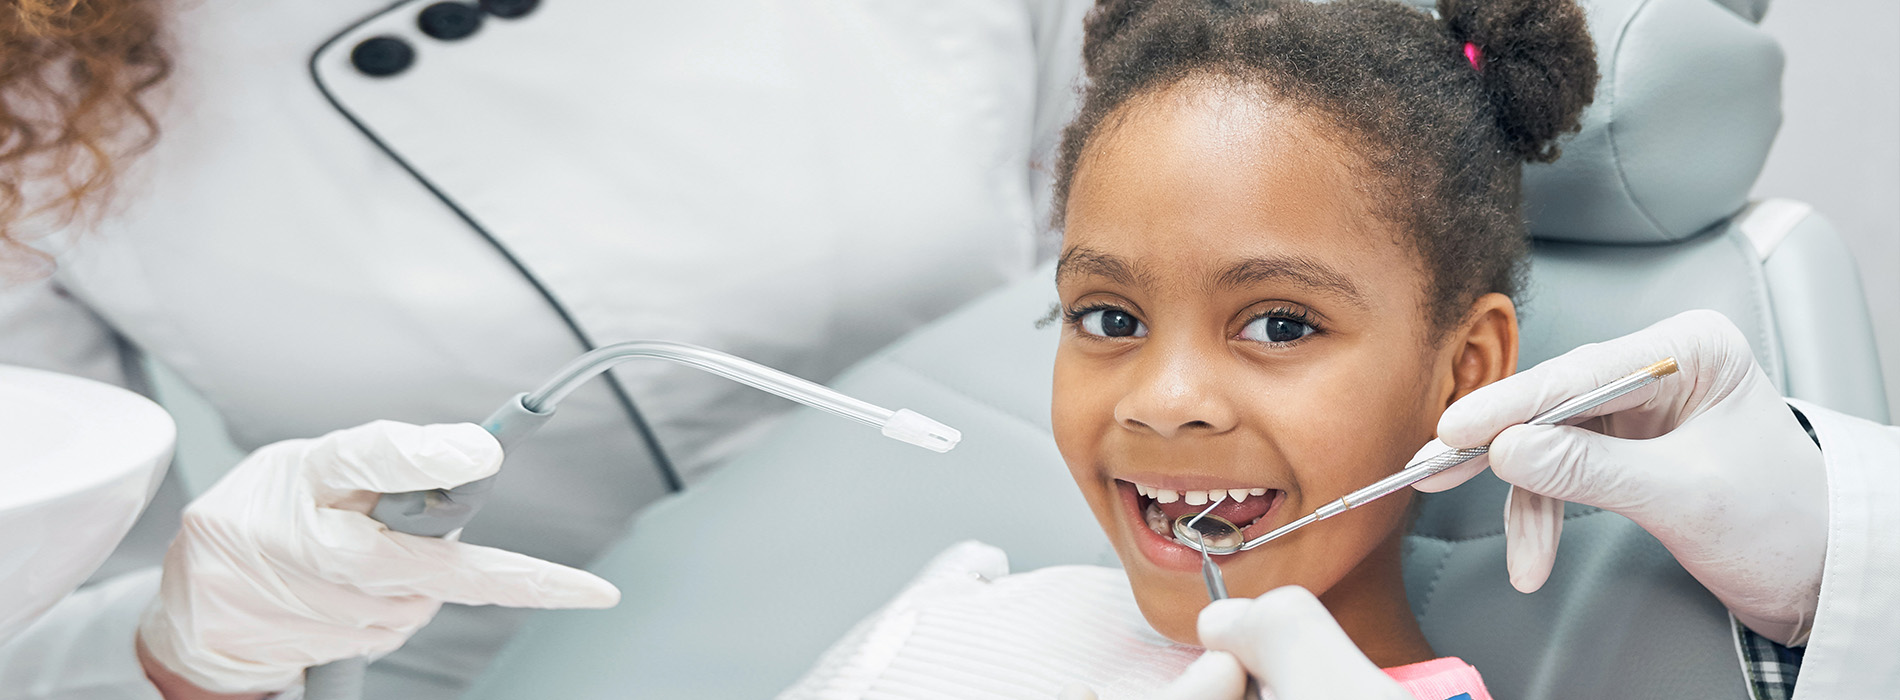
x=1483 y=350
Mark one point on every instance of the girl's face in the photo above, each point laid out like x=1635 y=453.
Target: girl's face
x=1240 y=321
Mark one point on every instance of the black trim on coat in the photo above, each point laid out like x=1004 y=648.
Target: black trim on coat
x=672 y=477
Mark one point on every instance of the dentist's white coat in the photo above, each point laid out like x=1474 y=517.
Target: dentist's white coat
x=1850 y=653
x=798 y=183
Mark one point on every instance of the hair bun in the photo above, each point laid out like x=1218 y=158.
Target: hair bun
x=1099 y=27
x=1537 y=64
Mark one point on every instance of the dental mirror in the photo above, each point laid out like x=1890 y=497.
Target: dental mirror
x=1207 y=533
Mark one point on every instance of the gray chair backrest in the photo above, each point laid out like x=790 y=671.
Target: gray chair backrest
x=735 y=587
x=1645 y=216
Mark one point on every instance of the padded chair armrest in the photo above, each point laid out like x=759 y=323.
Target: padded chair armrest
x=1827 y=345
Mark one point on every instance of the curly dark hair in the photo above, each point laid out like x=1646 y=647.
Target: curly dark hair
x=1444 y=129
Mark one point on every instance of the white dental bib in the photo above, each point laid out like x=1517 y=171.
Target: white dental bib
x=967 y=628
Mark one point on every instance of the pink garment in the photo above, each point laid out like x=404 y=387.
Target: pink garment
x=1440 y=679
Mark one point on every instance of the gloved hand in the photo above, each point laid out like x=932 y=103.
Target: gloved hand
x=1293 y=647
x=278 y=566
x=1711 y=461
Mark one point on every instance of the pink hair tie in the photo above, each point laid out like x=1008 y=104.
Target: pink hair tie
x=1474 y=55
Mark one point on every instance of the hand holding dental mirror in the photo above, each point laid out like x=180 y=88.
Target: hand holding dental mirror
x=1201 y=525
x=1211 y=534
x=1271 y=633
x=1284 y=642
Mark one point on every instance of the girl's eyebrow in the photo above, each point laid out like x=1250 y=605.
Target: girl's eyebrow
x=1306 y=272
x=1303 y=271
x=1089 y=262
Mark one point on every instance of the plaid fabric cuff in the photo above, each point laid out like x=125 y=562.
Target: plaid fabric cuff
x=1771 y=668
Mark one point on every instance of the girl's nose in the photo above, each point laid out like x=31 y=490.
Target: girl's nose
x=1176 y=392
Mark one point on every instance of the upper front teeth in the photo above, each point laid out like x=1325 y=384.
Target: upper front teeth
x=1197 y=498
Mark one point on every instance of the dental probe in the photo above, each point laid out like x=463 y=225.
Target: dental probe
x=1217 y=585
x=1444 y=460
x=438 y=512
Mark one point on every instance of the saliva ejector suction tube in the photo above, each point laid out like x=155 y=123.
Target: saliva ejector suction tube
x=438 y=512
x=902 y=424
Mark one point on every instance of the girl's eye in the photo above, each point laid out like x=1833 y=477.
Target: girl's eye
x=1112 y=323
x=1276 y=329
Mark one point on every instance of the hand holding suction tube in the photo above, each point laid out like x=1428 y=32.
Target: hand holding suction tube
x=279 y=562
x=438 y=512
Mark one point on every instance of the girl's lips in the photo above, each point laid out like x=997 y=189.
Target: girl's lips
x=1168 y=554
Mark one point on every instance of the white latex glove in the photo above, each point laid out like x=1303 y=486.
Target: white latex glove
x=1711 y=461
x=1293 y=647
x=279 y=567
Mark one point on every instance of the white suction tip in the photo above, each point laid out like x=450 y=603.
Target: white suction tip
x=912 y=427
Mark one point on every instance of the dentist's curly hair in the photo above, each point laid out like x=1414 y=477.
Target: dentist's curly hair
x=1445 y=140
x=72 y=73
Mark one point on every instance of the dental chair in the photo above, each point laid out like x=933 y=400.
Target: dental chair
x=735 y=587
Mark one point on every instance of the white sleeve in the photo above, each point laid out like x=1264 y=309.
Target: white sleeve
x=83 y=648
x=1850 y=654
x=46 y=328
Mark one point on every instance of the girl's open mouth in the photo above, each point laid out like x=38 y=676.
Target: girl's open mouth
x=1157 y=507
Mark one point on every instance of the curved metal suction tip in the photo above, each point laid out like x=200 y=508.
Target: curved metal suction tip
x=1215 y=534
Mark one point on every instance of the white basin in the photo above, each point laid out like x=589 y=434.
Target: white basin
x=78 y=461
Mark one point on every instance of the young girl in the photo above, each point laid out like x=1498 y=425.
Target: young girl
x=1291 y=235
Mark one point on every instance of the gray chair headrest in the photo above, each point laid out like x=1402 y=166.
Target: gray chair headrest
x=1751 y=10
x=1686 y=108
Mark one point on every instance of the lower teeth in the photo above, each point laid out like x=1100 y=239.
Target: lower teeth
x=1157 y=520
